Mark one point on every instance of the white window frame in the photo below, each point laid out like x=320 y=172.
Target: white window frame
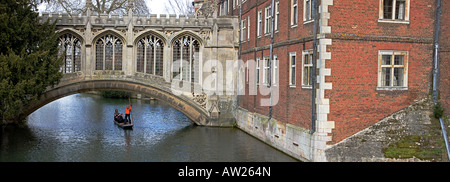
x=307 y=12
x=392 y=19
x=243 y=31
x=258 y=80
x=308 y=53
x=259 y=23
x=294 y=13
x=248 y=71
x=291 y=72
x=266 y=70
x=267 y=20
x=392 y=65
x=275 y=70
x=248 y=29
x=277 y=15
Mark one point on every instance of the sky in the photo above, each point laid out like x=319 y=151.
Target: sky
x=156 y=6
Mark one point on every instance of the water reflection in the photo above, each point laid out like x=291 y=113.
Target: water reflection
x=80 y=128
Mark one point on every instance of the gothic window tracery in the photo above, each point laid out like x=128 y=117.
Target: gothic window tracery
x=70 y=47
x=108 y=55
x=150 y=53
x=185 y=64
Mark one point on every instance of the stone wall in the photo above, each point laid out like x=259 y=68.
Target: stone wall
x=411 y=134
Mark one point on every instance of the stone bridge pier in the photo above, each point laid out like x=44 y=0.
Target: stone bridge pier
x=177 y=59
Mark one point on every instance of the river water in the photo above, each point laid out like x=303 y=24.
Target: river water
x=80 y=128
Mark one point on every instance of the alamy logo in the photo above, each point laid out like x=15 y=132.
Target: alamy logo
x=227 y=78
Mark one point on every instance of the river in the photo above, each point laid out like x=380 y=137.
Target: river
x=80 y=128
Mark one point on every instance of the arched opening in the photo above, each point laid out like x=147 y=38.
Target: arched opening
x=70 y=48
x=108 y=53
x=186 y=59
x=188 y=107
x=150 y=55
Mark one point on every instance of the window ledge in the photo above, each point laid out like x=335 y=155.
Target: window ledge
x=306 y=86
x=393 y=21
x=308 y=21
x=292 y=86
x=392 y=88
x=293 y=26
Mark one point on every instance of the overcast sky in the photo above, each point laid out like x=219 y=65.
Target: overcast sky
x=155 y=6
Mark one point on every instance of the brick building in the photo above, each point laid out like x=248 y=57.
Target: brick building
x=444 y=53
x=374 y=58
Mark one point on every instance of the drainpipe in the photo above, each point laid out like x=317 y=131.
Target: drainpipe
x=315 y=12
x=239 y=53
x=272 y=28
x=436 y=71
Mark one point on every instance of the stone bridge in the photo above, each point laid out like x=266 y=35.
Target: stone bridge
x=151 y=55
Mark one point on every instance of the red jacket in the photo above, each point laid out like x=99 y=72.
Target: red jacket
x=128 y=110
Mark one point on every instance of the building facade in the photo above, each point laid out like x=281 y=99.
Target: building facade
x=374 y=58
x=172 y=54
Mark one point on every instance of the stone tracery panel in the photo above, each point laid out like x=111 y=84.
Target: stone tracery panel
x=70 y=47
x=108 y=53
x=186 y=59
x=150 y=55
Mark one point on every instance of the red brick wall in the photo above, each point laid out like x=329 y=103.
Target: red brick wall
x=361 y=17
x=355 y=102
x=294 y=104
x=444 y=43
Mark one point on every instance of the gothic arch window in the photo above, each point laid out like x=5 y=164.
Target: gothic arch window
x=70 y=48
x=108 y=53
x=186 y=50
x=150 y=53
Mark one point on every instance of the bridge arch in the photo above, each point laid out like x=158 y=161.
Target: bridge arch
x=188 y=107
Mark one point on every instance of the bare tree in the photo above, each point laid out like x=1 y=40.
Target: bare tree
x=208 y=8
x=98 y=6
x=184 y=7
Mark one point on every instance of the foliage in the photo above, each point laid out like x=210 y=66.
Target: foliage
x=183 y=7
x=29 y=60
x=438 y=110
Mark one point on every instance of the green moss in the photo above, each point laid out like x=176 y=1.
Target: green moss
x=414 y=146
x=438 y=110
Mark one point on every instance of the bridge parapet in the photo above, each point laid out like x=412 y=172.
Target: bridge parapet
x=172 y=20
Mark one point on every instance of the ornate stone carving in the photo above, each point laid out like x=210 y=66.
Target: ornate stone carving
x=200 y=99
x=206 y=34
